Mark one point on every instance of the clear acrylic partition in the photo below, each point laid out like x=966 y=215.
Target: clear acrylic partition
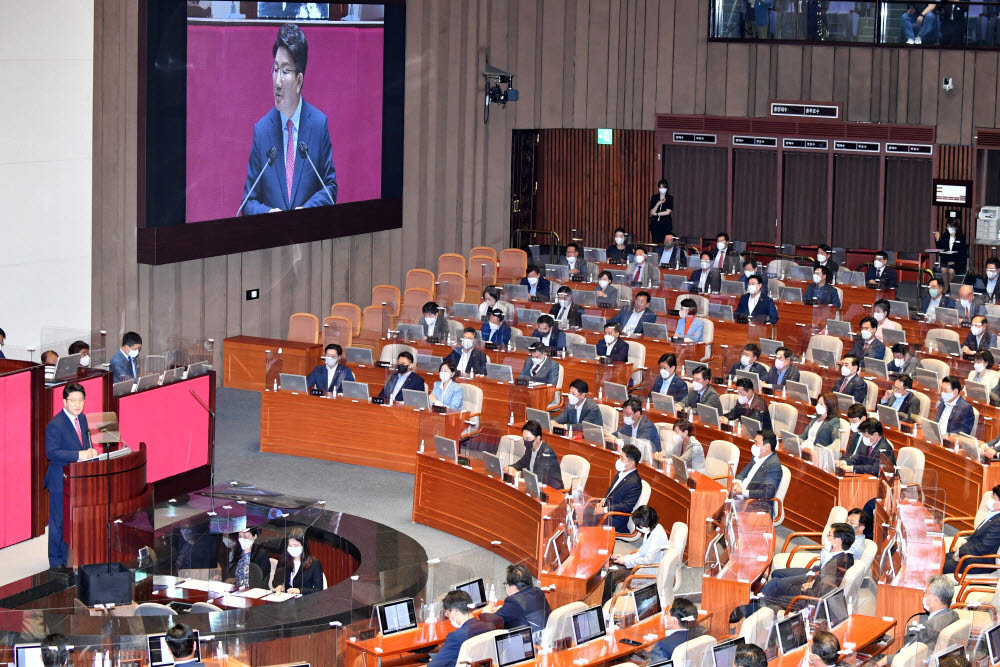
x=338 y=331
x=449 y=291
x=58 y=339
x=387 y=322
x=518 y=399
x=272 y=369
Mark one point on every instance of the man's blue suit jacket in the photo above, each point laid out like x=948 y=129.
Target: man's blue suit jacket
x=307 y=191
x=961 y=418
x=62 y=447
x=625 y=313
x=121 y=367
x=318 y=378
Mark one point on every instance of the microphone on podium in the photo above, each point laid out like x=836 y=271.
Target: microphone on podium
x=304 y=152
x=272 y=153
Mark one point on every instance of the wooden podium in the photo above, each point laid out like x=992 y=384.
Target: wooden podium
x=85 y=501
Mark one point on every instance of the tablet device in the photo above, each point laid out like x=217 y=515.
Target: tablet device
x=355 y=390
x=67 y=366
x=541 y=416
x=993 y=643
x=499 y=372
x=588 y=625
x=494 y=466
x=514 y=647
x=396 y=616
x=723 y=653
x=835 y=608
x=888 y=416
x=476 y=590
x=415 y=398
x=446 y=448
x=466 y=311
x=708 y=415
x=647 y=602
x=791 y=633
x=615 y=392
x=662 y=402
x=359 y=355
x=159 y=653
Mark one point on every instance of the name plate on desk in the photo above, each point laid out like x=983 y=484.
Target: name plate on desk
x=558 y=430
x=316 y=392
x=433 y=340
x=378 y=400
x=439 y=409
x=537 y=299
x=604 y=304
x=491 y=346
x=382 y=364
x=521 y=382
x=576 y=278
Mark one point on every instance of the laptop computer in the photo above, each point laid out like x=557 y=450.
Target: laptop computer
x=359 y=355
x=753 y=377
x=662 y=402
x=835 y=609
x=513 y=291
x=797 y=390
x=931 y=430
x=584 y=350
x=893 y=336
x=615 y=392
x=588 y=625
x=790 y=294
x=708 y=415
x=888 y=416
x=791 y=633
x=476 y=590
x=993 y=643
x=66 y=367
x=592 y=322
x=824 y=357
x=153 y=380
x=720 y=311
x=948 y=346
x=977 y=391
x=466 y=311
x=769 y=347
x=838 y=328
x=514 y=647
x=446 y=448
x=655 y=331
x=355 y=390
x=416 y=398
x=499 y=372
x=876 y=367
x=292 y=382
x=543 y=418
x=411 y=331
x=647 y=602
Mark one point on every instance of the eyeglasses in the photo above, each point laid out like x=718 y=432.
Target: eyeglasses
x=76 y=400
x=285 y=72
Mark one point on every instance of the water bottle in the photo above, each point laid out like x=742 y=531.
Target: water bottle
x=784 y=392
x=511 y=422
x=492 y=598
x=600 y=393
x=275 y=384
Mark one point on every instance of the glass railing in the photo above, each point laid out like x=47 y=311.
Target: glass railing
x=950 y=24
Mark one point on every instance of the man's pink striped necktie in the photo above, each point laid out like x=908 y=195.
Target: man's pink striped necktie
x=290 y=159
x=76 y=425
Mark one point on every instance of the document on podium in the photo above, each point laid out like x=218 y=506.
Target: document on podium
x=117 y=454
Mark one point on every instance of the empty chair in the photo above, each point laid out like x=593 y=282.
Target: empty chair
x=825 y=342
x=413 y=302
x=472 y=402
x=482 y=272
x=924 y=401
x=871 y=398
x=420 y=279
x=304 y=328
x=513 y=264
x=723 y=450
x=693 y=651
x=203 y=608
x=376 y=320
x=154 y=363
x=813 y=381
x=574 y=339
x=784 y=417
x=609 y=416
x=154 y=609
x=728 y=402
x=757 y=626
x=637 y=357
x=391 y=352
x=934 y=335
x=387 y=294
x=349 y=310
x=337 y=330
x=450 y=288
x=717 y=469
x=511 y=449
x=911 y=655
x=957 y=633
x=678 y=536
x=910 y=465
x=451 y=262
x=483 y=251
x=575 y=471
x=938 y=366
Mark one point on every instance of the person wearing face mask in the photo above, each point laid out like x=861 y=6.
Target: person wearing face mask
x=619 y=251
x=446 y=391
x=246 y=561
x=991 y=281
x=330 y=376
x=565 y=312
x=548 y=333
x=783 y=371
x=654 y=545
x=953 y=251
x=3 y=337
x=749 y=404
x=631 y=318
x=636 y=425
x=680 y=624
x=756 y=304
x=539 y=366
x=980 y=337
x=536 y=283
x=821 y=292
x=824 y=428
x=968 y=305
x=954 y=414
x=466 y=356
x=298 y=572
x=81 y=348
x=937 y=615
x=903 y=361
x=402 y=378
x=579 y=408
x=689 y=326
x=491 y=301
x=686 y=446
x=852 y=440
x=752 y=268
x=985 y=539
x=748 y=362
x=667 y=381
x=702 y=392
x=573 y=259
x=859 y=521
x=724 y=256
x=866 y=460
x=706 y=278
x=525 y=604
x=457 y=607
x=538 y=458
x=495 y=330
x=640 y=272
x=671 y=253
x=625 y=489
x=901 y=398
x=612 y=346
x=851 y=383
x=605 y=292
x=880 y=311
x=661 y=208
x=935 y=298
x=432 y=321
x=761 y=476
x=123 y=363
x=824 y=257
x=982 y=369
x=879 y=275
x=866 y=345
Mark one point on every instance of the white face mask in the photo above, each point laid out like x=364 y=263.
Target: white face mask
x=620 y=465
x=752 y=289
x=868 y=441
x=246 y=543
x=866 y=333
x=951 y=230
x=991 y=274
x=742 y=399
x=748 y=273
x=295 y=552
x=468 y=343
x=444 y=375
x=644 y=531
x=639 y=259
x=947 y=396
x=897 y=362
x=697 y=386
x=663 y=191
x=563 y=301
x=571 y=260
x=705 y=264
x=976 y=330
x=332 y=361
x=494 y=326
x=745 y=360
x=609 y=340
x=821 y=258
x=628 y=420
x=879 y=263
x=133 y=353
x=665 y=374
x=821 y=408
x=85 y=361
x=603 y=283
x=854 y=426
x=678 y=437
x=845 y=370
x=979 y=366
x=879 y=316
x=532 y=280
x=899 y=394
x=620 y=240
x=229 y=542
x=817 y=278
x=965 y=302
x=573 y=399
x=721 y=245
x=430 y=320
x=755 y=451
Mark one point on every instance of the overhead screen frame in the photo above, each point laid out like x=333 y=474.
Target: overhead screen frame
x=170 y=243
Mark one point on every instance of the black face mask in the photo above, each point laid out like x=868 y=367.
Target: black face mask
x=402 y=368
x=530 y=444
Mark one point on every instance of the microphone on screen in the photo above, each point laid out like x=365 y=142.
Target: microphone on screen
x=272 y=154
x=304 y=152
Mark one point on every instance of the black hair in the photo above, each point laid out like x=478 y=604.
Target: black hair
x=750 y=655
x=769 y=438
x=469 y=330
x=632 y=452
x=634 y=403
x=649 y=297
x=336 y=348
x=605 y=273
x=883 y=254
x=72 y=388
x=450 y=365
x=787 y=352
x=645 y=516
x=614 y=325
x=751 y=262
x=564 y=290
x=682 y=609
x=579 y=385
x=55 y=651
x=953 y=380
x=870 y=320
x=537 y=346
x=689 y=303
x=845 y=533
x=497 y=313
x=985 y=356
x=519 y=577
x=662 y=183
x=864 y=519
x=670 y=359
x=492 y=291
x=78 y=346
x=826 y=647
x=723 y=235
x=619 y=229
x=292 y=38
x=851 y=359
x=757 y=278
x=870 y=426
x=405 y=354
x=546 y=319
x=824 y=247
x=457 y=601
x=746 y=384
x=533 y=269
x=882 y=304
x=901 y=348
x=752 y=348
x=180 y=641
x=825 y=270
x=705 y=253
x=906 y=380
x=574 y=246
x=992 y=260
x=430 y=307
x=704 y=371
x=856 y=410
x=131 y=338
x=532 y=427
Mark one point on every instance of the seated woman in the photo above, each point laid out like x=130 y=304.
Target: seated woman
x=689 y=449
x=649 y=553
x=446 y=391
x=247 y=563
x=824 y=429
x=298 y=572
x=491 y=301
x=689 y=326
x=982 y=370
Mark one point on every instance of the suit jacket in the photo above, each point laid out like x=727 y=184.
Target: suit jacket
x=745 y=280
x=664 y=648
x=644 y=429
x=985 y=342
x=477 y=360
x=864 y=462
x=122 y=367
x=546 y=466
x=696 y=332
x=961 y=418
x=856 y=387
x=755 y=367
x=826 y=295
x=774 y=378
x=829 y=431
x=62 y=447
x=501 y=336
x=548 y=372
x=677 y=259
x=258 y=557
x=909 y=366
x=649 y=274
x=908 y=409
x=929 y=627
x=525 y=608
x=731 y=260
x=318 y=378
x=874 y=350
x=580 y=264
x=764 y=483
x=677 y=388
x=438 y=330
x=573 y=316
x=622 y=498
x=765 y=308
x=708 y=397
x=945 y=302
x=831 y=575
x=623 y=315
x=977 y=307
x=613 y=253
x=618 y=353
x=307 y=579
x=611 y=293
x=590 y=412
x=556 y=342
x=713 y=282
x=307 y=190
x=447 y=655
x=453 y=395
x=832 y=265
x=886 y=281
x=984 y=540
x=541 y=289
x=756 y=409
x=413 y=381
x=959 y=255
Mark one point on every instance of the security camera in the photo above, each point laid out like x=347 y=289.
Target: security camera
x=499 y=89
x=947 y=83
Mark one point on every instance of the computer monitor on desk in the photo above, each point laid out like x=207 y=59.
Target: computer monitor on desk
x=476 y=590
x=355 y=390
x=592 y=322
x=28 y=655
x=173 y=375
x=446 y=448
x=411 y=331
x=359 y=355
x=292 y=382
x=541 y=416
x=655 y=331
x=993 y=643
x=769 y=347
x=662 y=402
x=824 y=357
x=159 y=652
x=797 y=390
x=720 y=311
x=465 y=311
x=194 y=370
x=123 y=388
x=791 y=633
x=835 y=609
x=66 y=367
x=396 y=616
x=416 y=398
x=584 y=350
x=647 y=602
x=615 y=392
x=588 y=625
x=892 y=336
x=150 y=381
x=724 y=653
x=753 y=377
x=708 y=415
x=515 y=646
x=499 y=372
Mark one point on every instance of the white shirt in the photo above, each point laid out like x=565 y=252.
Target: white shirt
x=463 y=361
x=546 y=338
x=752 y=303
x=651 y=551
x=330 y=373
x=563 y=312
x=701 y=281
x=666 y=384
x=825 y=556
x=295 y=571
x=633 y=321
x=945 y=416
x=757 y=463
x=991 y=285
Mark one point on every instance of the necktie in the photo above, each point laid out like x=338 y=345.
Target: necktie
x=720 y=255
x=843 y=385
x=638 y=273
x=966 y=312
x=534 y=369
x=76 y=425
x=290 y=160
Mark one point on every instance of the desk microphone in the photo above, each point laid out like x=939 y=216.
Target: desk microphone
x=272 y=153
x=304 y=152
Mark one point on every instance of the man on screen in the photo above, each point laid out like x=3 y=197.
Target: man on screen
x=290 y=182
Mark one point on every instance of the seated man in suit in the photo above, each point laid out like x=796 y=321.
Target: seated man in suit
x=852 y=384
x=926 y=627
x=404 y=377
x=679 y=625
x=968 y=305
x=548 y=333
x=539 y=366
x=936 y=298
x=702 y=392
x=761 y=477
x=866 y=344
x=783 y=371
x=81 y=348
x=457 y=609
x=605 y=292
x=50 y=358
x=724 y=256
x=495 y=330
x=903 y=360
x=538 y=457
x=752 y=268
x=525 y=604
x=671 y=253
x=879 y=275
x=980 y=337
x=954 y=414
x=537 y=284
x=880 y=311
x=668 y=382
x=985 y=540
x=331 y=375
x=625 y=489
x=182 y=643
x=574 y=260
x=432 y=321
x=991 y=281
x=466 y=356
x=566 y=313
x=821 y=292
x=636 y=425
x=824 y=258
x=901 y=398
x=707 y=279
x=123 y=366
x=689 y=326
x=619 y=251
x=748 y=362
x=867 y=457
x=749 y=404
x=579 y=408
x=640 y=272
x=613 y=346
x=756 y=304
x=632 y=317
x=858 y=520
x=856 y=415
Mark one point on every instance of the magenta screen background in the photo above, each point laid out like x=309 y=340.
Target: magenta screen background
x=15 y=457
x=229 y=90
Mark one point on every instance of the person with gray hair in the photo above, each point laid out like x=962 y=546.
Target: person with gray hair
x=925 y=628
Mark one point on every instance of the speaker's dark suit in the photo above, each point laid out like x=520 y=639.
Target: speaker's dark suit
x=62 y=446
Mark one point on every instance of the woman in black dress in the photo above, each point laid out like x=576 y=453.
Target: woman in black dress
x=954 y=254
x=661 y=207
x=298 y=571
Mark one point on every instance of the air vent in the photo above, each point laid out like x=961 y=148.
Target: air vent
x=773 y=127
x=987 y=138
x=865 y=131
x=671 y=122
x=722 y=124
x=924 y=135
x=809 y=129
